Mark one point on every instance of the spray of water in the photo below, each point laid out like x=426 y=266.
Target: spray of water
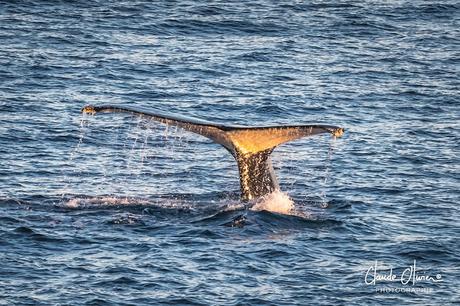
x=277 y=201
x=327 y=174
x=75 y=151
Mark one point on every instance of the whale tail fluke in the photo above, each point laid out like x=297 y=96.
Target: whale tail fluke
x=250 y=146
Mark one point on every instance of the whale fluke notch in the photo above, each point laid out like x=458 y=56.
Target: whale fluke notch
x=250 y=146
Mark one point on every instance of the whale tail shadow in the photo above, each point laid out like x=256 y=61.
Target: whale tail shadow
x=250 y=146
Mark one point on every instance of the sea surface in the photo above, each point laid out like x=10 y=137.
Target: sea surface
x=116 y=210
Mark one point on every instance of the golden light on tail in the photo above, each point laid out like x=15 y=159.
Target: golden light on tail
x=338 y=132
x=89 y=109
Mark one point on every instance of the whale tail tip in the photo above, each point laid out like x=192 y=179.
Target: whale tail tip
x=89 y=110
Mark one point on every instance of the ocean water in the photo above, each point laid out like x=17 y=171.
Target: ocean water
x=116 y=210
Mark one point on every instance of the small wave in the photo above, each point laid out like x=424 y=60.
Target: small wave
x=24 y=230
x=128 y=219
x=30 y=233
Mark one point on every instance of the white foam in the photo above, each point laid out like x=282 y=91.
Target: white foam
x=74 y=203
x=277 y=201
x=100 y=201
x=234 y=206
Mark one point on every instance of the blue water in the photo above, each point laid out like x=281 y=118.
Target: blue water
x=111 y=209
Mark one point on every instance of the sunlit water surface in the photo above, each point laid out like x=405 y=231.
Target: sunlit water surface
x=112 y=209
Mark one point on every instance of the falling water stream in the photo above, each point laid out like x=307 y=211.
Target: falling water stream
x=137 y=150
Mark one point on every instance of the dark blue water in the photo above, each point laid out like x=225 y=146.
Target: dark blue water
x=111 y=209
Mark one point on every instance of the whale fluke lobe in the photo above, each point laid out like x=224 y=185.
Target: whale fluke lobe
x=250 y=146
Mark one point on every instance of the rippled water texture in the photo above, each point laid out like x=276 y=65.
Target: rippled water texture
x=111 y=209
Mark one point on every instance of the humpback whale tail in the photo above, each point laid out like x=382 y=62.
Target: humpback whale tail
x=250 y=146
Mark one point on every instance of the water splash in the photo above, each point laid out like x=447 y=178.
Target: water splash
x=277 y=201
